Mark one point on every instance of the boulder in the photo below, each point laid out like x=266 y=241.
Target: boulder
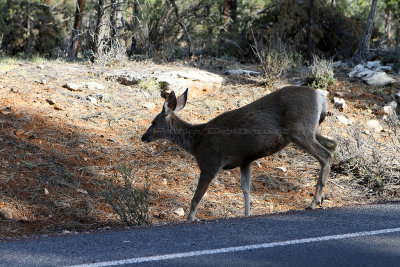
x=373 y=73
x=378 y=79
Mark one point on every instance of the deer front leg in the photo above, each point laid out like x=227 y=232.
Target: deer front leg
x=245 y=172
x=204 y=182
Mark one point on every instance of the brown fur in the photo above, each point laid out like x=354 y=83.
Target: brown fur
x=236 y=138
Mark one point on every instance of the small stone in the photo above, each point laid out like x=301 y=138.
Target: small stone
x=164 y=182
x=180 y=212
x=343 y=119
x=19 y=132
x=46 y=192
x=149 y=105
x=339 y=103
x=283 y=169
x=58 y=107
x=5 y=215
x=1 y=86
x=389 y=109
x=367 y=132
x=50 y=101
x=94 y=86
x=43 y=82
x=40 y=67
x=82 y=191
x=73 y=86
x=92 y=100
x=374 y=125
x=6 y=111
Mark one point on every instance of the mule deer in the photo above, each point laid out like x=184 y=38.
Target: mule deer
x=236 y=138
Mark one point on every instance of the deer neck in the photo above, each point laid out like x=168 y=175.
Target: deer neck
x=183 y=133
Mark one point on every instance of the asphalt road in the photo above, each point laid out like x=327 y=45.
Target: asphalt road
x=353 y=236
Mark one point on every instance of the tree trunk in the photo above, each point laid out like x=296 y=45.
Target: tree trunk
x=80 y=6
x=180 y=23
x=362 y=53
x=97 y=47
x=310 y=51
x=133 y=48
x=230 y=9
x=116 y=20
x=398 y=42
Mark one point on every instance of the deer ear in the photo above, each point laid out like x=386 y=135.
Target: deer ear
x=170 y=103
x=181 y=102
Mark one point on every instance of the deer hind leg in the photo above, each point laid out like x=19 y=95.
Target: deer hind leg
x=326 y=142
x=204 y=182
x=245 y=172
x=323 y=155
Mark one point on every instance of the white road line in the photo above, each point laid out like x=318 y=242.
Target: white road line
x=240 y=248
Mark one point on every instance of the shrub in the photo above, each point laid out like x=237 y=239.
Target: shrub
x=320 y=73
x=130 y=204
x=276 y=58
x=368 y=162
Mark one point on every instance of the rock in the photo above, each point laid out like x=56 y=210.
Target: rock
x=44 y=82
x=1 y=86
x=199 y=82
x=40 y=67
x=58 y=107
x=243 y=72
x=390 y=109
x=149 y=105
x=5 y=215
x=6 y=111
x=283 y=169
x=339 y=103
x=73 y=86
x=82 y=191
x=343 y=120
x=94 y=86
x=180 y=212
x=367 y=132
x=373 y=64
x=378 y=79
x=340 y=93
x=50 y=101
x=374 y=125
x=356 y=70
x=126 y=78
x=373 y=73
x=46 y=192
x=92 y=100
x=164 y=181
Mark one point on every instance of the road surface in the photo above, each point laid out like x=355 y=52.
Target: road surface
x=353 y=236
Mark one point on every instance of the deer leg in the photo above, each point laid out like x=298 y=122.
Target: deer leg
x=245 y=172
x=324 y=156
x=204 y=182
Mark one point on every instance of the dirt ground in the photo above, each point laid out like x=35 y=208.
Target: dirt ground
x=57 y=147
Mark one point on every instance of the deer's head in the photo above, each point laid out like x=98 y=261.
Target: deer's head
x=161 y=125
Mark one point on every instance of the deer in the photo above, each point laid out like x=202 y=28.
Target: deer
x=238 y=137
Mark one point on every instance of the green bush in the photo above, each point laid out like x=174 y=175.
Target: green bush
x=320 y=73
x=130 y=204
